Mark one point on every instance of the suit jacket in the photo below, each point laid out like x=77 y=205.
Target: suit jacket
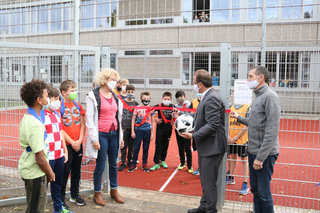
x=209 y=131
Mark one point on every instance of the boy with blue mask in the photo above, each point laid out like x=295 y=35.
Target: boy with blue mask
x=126 y=127
x=164 y=131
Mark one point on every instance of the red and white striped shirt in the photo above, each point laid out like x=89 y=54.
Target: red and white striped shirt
x=54 y=127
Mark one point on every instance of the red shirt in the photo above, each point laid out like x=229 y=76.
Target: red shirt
x=108 y=111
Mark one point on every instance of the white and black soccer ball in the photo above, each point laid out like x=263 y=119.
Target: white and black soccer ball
x=184 y=123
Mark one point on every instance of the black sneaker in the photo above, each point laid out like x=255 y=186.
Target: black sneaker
x=122 y=167
x=78 y=200
x=64 y=205
x=145 y=168
x=132 y=168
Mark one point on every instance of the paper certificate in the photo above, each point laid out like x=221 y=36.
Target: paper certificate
x=242 y=92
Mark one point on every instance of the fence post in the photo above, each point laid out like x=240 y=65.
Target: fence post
x=225 y=74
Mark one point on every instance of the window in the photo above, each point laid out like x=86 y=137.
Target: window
x=66 y=16
x=201 y=11
x=160 y=81
x=56 y=17
x=16 y=21
x=87 y=68
x=43 y=19
x=289 y=69
x=4 y=21
x=113 y=61
x=138 y=52
x=235 y=13
x=220 y=10
x=161 y=52
x=44 y=62
x=87 y=14
x=56 y=69
x=271 y=64
x=291 y=12
x=186 y=68
x=136 y=81
x=187 y=14
x=305 y=72
x=308 y=10
x=136 y=22
x=271 y=13
x=103 y=14
x=234 y=67
x=162 y=21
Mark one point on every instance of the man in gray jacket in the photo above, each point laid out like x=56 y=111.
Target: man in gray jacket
x=263 y=128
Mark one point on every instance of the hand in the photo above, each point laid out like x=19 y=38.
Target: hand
x=65 y=157
x=51 y=177
x=229 y=138
x=232 y=140
x=175 y=113
x=122 y=144
x=122 y=130
x=185 y=135
x=76 y=146
x=257 y=164
x=158 y=120
x=133 y=135
x=234 y=114
x=96 y=145
x=152 y=137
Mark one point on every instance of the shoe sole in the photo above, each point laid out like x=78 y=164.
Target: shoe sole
x=154 y=169
x=232 y=183
x=181 y=168
x=79 y=204
x=98 y=203
x=132 y=170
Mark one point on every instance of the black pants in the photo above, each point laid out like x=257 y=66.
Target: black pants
x=128 y=144
x=184 y=146
x=162 y=142
x=36 y=194
x=74 y=165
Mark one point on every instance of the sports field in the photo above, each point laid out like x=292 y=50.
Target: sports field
x=295 y=174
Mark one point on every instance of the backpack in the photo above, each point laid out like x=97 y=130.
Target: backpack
x=62 y=108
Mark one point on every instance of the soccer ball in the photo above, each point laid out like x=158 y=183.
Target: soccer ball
x=184 y=123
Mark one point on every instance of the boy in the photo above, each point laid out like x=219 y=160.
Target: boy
x=74 y=129
x=121 y=88
x=143 y=123
x=164 y=131
x=58 y=154
x=33 y=165
x=184 y=145
x=126 y=127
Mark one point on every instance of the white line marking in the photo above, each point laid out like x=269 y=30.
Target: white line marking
x=169 y=179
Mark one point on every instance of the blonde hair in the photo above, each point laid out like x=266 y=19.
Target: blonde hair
x=123 y=80
x=104 y=75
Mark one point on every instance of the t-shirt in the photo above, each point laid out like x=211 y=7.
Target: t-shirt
x=167 y=114
x=53 y=126
x=127 y=115
x=71 y=120
x=140 y=113
x=108 y=112
x=31 y=133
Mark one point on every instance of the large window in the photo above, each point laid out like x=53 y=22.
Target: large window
x=220 y=10
x=256 y=12
x=60 y=16
x=4 y=21
x=87 y=68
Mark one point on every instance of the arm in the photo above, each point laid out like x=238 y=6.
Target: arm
x=77 y=143
x=44 y=166
x=133 y=135
x=67 y=138
x=243 y=120
x=65 y=150
x=240 y=134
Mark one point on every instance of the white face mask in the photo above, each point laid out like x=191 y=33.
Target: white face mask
x=253 y=84
x=112 y=84
x=196 y=88
x=55 y=105
x=123 y=88
x=166 y=102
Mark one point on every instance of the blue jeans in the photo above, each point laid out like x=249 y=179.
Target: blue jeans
x=145 y=136
x=55 y=186
x=260 y=184
x=109 y=144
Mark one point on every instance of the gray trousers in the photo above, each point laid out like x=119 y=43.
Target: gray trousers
x=209 y=167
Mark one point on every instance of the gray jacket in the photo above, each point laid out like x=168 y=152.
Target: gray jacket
x=263 y=123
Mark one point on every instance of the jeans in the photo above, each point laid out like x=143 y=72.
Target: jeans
x=109 y=145
x=145 y=136
x=55 y=186
x=260 y=184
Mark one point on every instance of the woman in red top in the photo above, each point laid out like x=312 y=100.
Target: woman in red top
x=104 y=114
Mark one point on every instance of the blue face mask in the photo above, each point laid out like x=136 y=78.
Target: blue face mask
x=130 y=96
x=46 y=106
x=199 y=94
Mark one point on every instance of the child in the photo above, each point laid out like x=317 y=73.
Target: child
x=126 y=127
x=58 y=154
x=143 y=123
x=164 y=131
x=121 y=88
x=74 y=129
x=33 y=165
x=184 y=145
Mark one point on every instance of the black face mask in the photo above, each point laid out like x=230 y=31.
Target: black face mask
x=119 y=89
x=145 y=102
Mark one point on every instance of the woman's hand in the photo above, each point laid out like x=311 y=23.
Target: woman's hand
x=96 y=145
x=122 y=144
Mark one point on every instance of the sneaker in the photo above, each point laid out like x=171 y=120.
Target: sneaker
x=65 y=206
x=63 y=210
x=244 y=190
x=197 y=172
x=145 y=168
x=89 y=160
x=122 y=167
x=132 y=168
x=138 y=161
x=181 y=166
x=155 y=167
x=230 y=181
x=78 y=200
x=163 y=164
x=190 y=170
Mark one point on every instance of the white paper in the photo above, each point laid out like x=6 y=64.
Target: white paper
x=242 y=92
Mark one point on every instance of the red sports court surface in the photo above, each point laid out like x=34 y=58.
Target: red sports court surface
x=295 y=173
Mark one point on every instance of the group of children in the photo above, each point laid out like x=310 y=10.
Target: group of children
x=51 y=134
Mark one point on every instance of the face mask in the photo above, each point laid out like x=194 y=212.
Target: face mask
x=145 y=102
x=112 y=85
x=166 y=102
x=55 y=105
x=119 y=89
x=253 y=84
x=72 y=96
x=195 y=88
x=124 y=88
x=130 y=96
x=181 y=99
x=199 y=94
x=48 y=104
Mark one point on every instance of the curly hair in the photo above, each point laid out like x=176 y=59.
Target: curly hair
x=32 y=90
x=104 y=75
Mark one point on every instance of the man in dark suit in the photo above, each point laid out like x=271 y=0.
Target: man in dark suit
x=210 y=139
